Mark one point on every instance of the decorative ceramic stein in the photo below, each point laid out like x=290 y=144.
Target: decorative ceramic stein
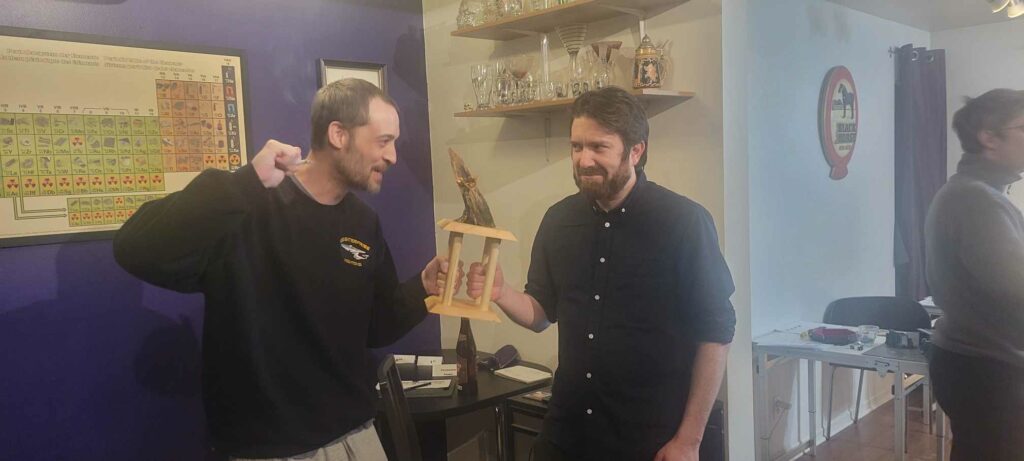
x=648 y=65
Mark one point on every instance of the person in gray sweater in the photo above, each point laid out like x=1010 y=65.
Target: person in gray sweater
x=974 y=249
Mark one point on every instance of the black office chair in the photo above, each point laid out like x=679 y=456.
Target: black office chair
x=400 y=426
x=888 y=312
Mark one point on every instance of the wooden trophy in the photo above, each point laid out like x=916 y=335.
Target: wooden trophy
x=476 y=220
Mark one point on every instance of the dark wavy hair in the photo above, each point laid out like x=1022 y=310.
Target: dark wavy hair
x=619 y=112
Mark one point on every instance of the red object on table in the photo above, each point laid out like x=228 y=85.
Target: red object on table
x=836 y=336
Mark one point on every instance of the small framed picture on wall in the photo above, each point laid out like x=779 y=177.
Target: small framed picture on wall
x=333 y=70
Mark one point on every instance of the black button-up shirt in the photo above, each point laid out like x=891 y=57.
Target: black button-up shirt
x=633 y=291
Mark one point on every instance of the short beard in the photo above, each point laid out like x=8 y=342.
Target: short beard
x=350 y=171
x=608 y=188
x=356 y=180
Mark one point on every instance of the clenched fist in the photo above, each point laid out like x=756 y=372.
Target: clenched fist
x=436 y=273
x=476 y=278
x=274 y=161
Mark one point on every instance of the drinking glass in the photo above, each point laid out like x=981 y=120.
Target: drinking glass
x=506 y=87
x=483 y=77
x=511 y=8
x=866 y=334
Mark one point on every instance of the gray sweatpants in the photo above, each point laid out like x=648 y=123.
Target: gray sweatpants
x=361 y=444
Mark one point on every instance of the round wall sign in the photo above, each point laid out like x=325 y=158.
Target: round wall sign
x=838 y=114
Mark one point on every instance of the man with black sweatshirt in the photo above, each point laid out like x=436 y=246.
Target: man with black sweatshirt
x=298 y=282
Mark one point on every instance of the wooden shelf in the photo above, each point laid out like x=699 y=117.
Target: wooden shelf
x=563 y=104
x=543 y=21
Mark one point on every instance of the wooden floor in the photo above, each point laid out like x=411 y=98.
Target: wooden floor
x=872 y=438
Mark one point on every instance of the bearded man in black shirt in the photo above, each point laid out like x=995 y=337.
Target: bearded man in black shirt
x=634 y=277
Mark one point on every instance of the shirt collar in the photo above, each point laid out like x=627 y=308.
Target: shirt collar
x=987 y=171
x=641 y=180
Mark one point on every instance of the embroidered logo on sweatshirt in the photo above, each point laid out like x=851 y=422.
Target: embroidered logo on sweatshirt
x=354 y=251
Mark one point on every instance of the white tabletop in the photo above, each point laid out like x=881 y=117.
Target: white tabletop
x=789 y=338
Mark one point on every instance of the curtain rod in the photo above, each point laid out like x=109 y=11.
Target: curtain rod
x=914 y=54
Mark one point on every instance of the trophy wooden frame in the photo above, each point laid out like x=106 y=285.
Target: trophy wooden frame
x=478 y=309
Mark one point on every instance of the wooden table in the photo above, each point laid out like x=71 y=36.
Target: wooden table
x=492 y=392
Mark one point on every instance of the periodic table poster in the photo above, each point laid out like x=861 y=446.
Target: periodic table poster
x=91 y=128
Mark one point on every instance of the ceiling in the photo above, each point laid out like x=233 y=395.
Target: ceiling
x=930 y=15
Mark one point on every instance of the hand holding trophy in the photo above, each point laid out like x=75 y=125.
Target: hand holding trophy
x=475 y=220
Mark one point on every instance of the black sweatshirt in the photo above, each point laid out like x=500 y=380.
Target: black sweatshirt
x=295 y=293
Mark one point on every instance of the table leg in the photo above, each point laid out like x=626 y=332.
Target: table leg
x=900 y=407
x=510 y=434
x=940 y=434
x=812 y=406
x=500 y=415
x=761 y=405
x=926 y=404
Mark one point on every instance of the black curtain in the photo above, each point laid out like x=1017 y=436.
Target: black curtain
x=920 y=158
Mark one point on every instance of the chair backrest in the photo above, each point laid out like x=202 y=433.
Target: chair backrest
x=400 y=426
x=888 y=312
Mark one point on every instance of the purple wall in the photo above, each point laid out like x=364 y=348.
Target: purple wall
x=95 y=365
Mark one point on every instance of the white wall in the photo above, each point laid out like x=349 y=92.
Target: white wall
x=522 y=173
x=735 y=92
x=794 y=238
x=814 y=239
x=979 y=59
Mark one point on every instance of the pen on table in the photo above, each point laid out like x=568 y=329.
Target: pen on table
x=418 y=385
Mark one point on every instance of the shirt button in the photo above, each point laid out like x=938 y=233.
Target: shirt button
x=589 y=411
x=602 y=260
x=597 y=297
x=607 y=224
x=590 y=336
x=623 y=210
x=589 y=375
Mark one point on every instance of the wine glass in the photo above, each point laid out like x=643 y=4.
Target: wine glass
x=572 y=36
x=482 y=76
x=519 y=67
x=603 y=71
